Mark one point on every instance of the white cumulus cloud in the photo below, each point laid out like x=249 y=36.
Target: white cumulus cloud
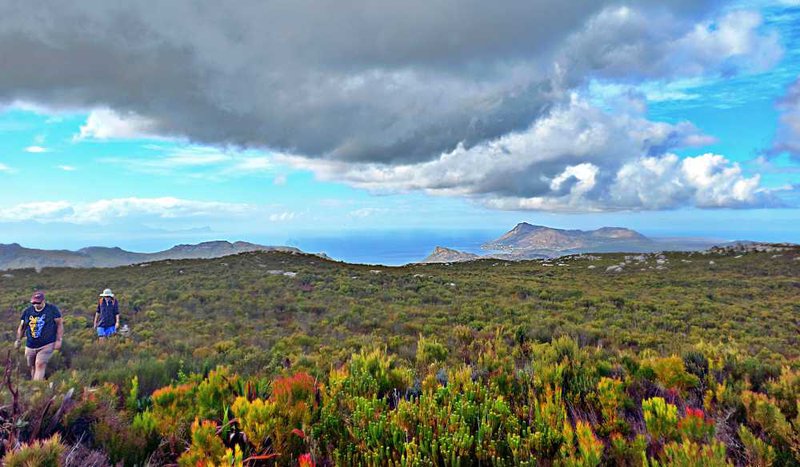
x=109 y=210
x=363 y=213
x=735 y=36
x=281 y=216
x=36 y=149
x=104 y=123
x=43 y=211
x=634 y=44
x=196 y=161
x=705 y=181
x=579 y=158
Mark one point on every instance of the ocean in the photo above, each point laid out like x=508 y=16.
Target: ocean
x=392 y=248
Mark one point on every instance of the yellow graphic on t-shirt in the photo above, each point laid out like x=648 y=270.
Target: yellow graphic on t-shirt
x=36 y=324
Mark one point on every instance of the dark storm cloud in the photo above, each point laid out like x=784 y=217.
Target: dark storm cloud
x=359 y=81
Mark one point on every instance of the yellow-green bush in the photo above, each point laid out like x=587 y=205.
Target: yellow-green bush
x=174 y=409
x=214 y=393
x=691 y=454
x=206 y=449
x=661 y=418
x=763 y=412
x=258 y=420
x=757 y=452
x=45 y=453
x=582 y=447
x=671 y=372
x=610 y=397
x=429 y=350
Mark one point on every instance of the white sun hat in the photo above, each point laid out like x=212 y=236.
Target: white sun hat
x=107 y=293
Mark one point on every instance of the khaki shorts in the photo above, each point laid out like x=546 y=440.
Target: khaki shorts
x=39 y=356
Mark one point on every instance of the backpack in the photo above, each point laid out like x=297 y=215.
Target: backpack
x=102 y=299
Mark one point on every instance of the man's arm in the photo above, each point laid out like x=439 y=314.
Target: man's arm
x=19 y=333
x=59 y=332
x=116 y=313
x=96 y=317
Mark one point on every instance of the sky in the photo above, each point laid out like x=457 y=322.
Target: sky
x=143 y=124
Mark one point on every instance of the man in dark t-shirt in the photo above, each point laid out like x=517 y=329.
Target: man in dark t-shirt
x=44 y=331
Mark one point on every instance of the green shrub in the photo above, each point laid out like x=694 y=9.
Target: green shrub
x=215 y=393
x=786 y=391
x=371 y=374
x=694 y=426
x=661 y=418
x=45 y=453
x=764 y=413
x=206 y=448
x=691 y=454
x=671 y=373
x=610 y=397
x=625 y=452
x=589 y=450
x=429 y=351
x=757 y=452
x=173 y=410
x=258 y=420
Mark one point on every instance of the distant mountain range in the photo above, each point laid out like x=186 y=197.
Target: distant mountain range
x=527 y=241
x=14 y=256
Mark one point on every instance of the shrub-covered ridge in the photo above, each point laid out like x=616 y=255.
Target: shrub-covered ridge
x=487 y=363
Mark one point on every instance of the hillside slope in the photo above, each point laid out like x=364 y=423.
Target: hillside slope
x=296 y=357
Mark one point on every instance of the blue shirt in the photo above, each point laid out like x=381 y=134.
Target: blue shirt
x=40 y=326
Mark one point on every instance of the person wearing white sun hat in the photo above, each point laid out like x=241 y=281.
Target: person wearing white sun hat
x=106 y=318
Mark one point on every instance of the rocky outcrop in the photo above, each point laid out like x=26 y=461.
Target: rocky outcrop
x=448 y=255
x=753 y=247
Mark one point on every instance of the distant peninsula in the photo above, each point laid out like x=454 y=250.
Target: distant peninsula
x=528 y=241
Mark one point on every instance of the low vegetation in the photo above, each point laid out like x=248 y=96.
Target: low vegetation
x=688 y=359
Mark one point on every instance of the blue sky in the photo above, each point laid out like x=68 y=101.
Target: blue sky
x=82 y=167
